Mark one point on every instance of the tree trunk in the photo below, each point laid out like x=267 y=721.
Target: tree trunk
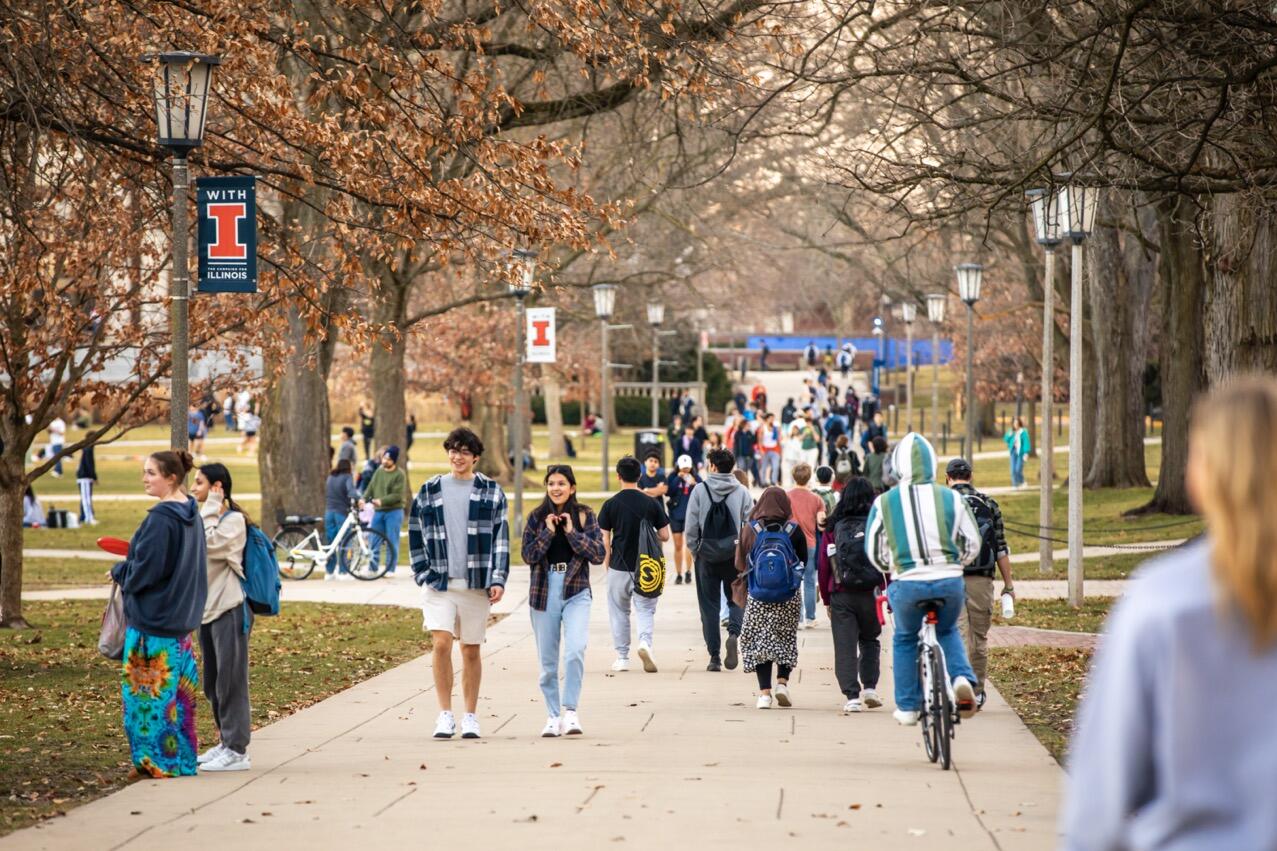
x=1182 y=277
x=553 y=411
x=12 y=486
x=1120 y=276
x=489 y=422
x=1241 y=299
x=1030 y=420
x=386 y=373
x=293 y=459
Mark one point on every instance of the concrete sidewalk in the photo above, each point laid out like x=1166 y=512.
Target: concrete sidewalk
x=670 y=758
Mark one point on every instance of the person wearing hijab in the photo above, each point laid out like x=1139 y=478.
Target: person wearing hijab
x=769 y=636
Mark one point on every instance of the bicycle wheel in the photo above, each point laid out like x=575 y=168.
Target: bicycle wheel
x=365 y=553
x=930 y=737
x=292 y=566
x=941 y=712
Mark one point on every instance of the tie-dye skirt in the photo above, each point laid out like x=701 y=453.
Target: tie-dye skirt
x=159 y=683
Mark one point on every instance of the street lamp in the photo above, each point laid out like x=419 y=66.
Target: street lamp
x=970 y=276
x=1076 y=212
x=604 y=305
x=908 y=312
x=701 y=316
x=181 y=86
x=1046 y=226
x=936 y=303
x=882 y=356
x=655 y=316
x=525 y=269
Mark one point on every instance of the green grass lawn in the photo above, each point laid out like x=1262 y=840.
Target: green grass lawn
x=1097 y=567
x=1101 y=516
x=63 y=743
x=1042 y=684
x=1058 y=614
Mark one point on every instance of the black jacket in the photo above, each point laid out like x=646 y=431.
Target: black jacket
x=164 y=579
x=87 y=469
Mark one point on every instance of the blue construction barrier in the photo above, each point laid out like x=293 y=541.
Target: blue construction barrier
x=894 y=346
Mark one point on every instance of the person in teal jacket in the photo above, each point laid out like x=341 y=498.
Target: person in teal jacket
x=1020 y=445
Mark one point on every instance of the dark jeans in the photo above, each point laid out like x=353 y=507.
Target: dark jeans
x=224 y=646
x=709 y=585
x=367 y=436
x=764 y=672
x=856 y=649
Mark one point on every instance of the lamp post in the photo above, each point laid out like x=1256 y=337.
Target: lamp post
x=970 y=276
x=655 y=316
x=181 y=87
x=525 y=263
x=1077 y=217
x=1046 y=226
x=908 y=312
x=876 y=374
x=701 y=316
x=936 y=303
x=604 y=305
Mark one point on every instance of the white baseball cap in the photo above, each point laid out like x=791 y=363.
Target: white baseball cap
x=684 y=461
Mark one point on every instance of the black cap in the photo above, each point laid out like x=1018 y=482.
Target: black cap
x=959 y=468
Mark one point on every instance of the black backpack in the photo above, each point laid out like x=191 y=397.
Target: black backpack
x=851 y=564
x=983 y=513
x=719 y=534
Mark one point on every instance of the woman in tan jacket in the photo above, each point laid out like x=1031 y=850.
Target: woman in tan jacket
x=227 y=621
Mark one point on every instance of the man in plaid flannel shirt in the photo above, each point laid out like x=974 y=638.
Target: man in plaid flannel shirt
x=459 y=540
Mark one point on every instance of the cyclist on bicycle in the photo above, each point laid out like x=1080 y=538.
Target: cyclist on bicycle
x=923 y=533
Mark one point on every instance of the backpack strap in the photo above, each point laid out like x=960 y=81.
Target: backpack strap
x=789 y=527
x=756 y=526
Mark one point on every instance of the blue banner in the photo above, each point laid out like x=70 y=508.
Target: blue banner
x=227 y=210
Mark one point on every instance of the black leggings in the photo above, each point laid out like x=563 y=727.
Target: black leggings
x=764 y=671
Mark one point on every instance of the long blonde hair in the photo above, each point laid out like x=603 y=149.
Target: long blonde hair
x=1233 y=479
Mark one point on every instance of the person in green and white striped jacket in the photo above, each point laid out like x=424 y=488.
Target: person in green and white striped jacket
x=922 y=533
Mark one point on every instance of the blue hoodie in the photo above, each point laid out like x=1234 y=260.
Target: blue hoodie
x=164 y=580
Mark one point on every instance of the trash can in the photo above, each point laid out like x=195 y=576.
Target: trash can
x=650 y=442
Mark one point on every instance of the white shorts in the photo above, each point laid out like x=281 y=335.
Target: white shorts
x=462 y=611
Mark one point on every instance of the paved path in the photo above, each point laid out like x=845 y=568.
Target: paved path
x=670 y=758
x=1149 y=548
x=1024 y=636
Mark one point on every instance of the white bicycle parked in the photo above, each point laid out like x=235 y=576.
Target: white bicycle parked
x=299 y=547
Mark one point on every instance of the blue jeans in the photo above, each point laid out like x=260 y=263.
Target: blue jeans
x=904 y=598
x=1017 y=469
x=568 y=622
x=332 y=525
x=769 y=468
x=388 y=523
x=54 y=449
x=809 y=584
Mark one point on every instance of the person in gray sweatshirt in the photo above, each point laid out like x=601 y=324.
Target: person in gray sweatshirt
x=716 y=511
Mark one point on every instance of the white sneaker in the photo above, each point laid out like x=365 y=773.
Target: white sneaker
x=446 y=726
x=330 y=577
x=345 y=577
x=964 y=696
x=871 y=698
x=551 y=728
x=469 y=726
x=645 y=653
x=571 y=724
x=621 y=665
x=811 y=624
x=764 y=701
x=905 y=717
x=852 y=705
x=228 y=760
x=211 y=754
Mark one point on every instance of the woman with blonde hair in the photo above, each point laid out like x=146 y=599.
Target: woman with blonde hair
x=1171 y=748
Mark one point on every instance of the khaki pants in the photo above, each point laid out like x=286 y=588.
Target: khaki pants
x=973 y=625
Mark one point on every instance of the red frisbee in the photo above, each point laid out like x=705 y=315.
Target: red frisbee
x=114 y=546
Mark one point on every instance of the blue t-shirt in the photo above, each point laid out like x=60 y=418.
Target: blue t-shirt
x=645 y=481
x=679 y=494
x=195 y=424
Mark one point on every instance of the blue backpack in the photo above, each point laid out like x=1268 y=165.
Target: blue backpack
x=774 y=570
x=261 y=575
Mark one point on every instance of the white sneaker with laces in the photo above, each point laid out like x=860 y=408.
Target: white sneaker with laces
x=645 y=653
x=853 y=705
x=621 y=665
x=571 y=723
x=228 y=760
x=446 y=726
x=964 y=696
x=469 y=726
x=551 y=728
x=905 y=717
x=211 y=754
x=764 y=701
x=871 y=698
x=781 y=693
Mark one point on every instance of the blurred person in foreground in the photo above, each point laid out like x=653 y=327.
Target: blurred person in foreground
x=1171 y=749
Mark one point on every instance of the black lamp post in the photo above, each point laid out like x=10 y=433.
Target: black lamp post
x=604 y=307
x=182 y=82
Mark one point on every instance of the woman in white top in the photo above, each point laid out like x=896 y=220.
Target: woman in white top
x=227 y=620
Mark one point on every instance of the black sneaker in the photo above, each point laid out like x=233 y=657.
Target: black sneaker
x=678 y=579
x=731 y=652
x=713 y=665
x=979 y=701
